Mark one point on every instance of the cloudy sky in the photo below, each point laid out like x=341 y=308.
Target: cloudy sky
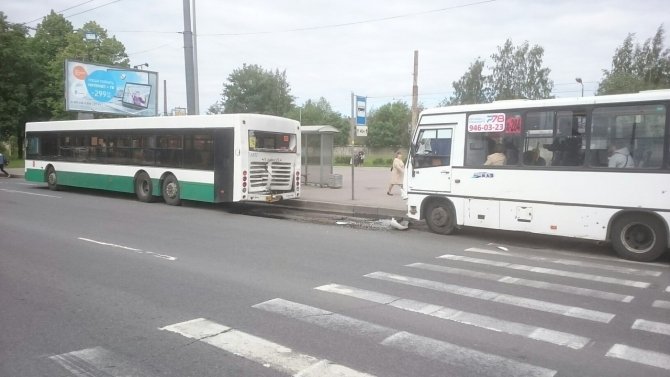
x=331 y=48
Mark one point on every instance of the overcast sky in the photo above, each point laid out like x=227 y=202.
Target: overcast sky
x=331 y=48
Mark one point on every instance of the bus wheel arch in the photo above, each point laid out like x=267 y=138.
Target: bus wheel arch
x=170 y=189
x=638 y=235
x=143 y=187
x=440 y=215
x=51 y=177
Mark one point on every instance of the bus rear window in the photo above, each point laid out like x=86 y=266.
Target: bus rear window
x=272 y=142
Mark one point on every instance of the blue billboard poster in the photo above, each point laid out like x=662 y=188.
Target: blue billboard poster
x=97 y=88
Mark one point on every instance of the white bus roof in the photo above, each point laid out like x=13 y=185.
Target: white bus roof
x=187 y=121
x=648 y=95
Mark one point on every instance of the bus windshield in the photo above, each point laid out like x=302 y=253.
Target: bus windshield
x=272 y=142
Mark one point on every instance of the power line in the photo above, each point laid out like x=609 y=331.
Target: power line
x=60 y=11
x=75 y=6
x=353 y=22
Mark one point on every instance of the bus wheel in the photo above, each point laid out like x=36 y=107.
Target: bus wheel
x=52 y=179
x=638 y=237
x=441 y=217
x=171 y=190
x=144 y=188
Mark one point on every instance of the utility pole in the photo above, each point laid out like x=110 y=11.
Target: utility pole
x=415 y=92
x=188 y=60
x=196 y=89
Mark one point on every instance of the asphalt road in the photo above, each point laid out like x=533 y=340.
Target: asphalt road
x=98 y=284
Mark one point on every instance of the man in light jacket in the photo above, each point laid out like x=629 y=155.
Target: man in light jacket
x=620 y=156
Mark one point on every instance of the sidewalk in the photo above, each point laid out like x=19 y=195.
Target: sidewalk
x=369 y=197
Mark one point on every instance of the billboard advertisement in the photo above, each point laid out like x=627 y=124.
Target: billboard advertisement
x=108 y=89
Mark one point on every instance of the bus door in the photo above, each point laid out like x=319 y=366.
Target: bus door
x=224 y=164
x=430 y=163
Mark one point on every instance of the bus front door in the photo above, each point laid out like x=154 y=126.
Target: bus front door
x=430 y=165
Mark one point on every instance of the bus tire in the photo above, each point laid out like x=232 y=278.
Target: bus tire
x=52 y=178
x=144 y=187
x=170 y=190
x=638 y=236
x=441 y=217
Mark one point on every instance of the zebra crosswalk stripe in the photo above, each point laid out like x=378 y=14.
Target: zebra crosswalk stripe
x=548 y=271
x=260 y=350
x=572 y=262
x=651 y=326
x=640 y=356
x=526 y=282
x=485 y=364
x=472 y=319
x=661 y=304
x=98 y=362
x=549 y=307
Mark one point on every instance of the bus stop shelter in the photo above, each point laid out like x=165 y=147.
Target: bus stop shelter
x=317 y=155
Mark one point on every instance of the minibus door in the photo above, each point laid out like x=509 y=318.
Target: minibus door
x=430 y=163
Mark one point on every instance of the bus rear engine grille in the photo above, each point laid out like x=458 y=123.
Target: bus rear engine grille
x=266 y=176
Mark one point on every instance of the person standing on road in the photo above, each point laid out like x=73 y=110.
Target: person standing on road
x=397 y=173
x=3 y=162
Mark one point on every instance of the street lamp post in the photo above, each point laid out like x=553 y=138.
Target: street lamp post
x=579 y=80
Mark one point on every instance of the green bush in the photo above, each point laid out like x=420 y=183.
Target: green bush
x=342 y=160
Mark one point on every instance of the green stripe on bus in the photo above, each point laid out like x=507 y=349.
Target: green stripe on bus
x=203 y=192
x=34 y=175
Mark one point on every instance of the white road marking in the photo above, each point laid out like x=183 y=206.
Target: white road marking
x=548 y=271
x=480 y=363
x=549 y=307
x=466 y=318
x=526 y=282
x=640 y=356
x=661 y=304
x=651 y=326
x=259 y=350
x=667 y=289
x=571 y=262
x=324 y=318
x=139 y=251
x=32 y=193
x=97 y=362
x=605 y=258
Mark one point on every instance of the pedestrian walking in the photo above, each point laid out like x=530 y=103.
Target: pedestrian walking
x=397 y=173
x=3 y=162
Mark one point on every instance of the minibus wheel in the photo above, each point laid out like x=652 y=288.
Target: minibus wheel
x=441 y=217
x=171 y=190
x=638 y=236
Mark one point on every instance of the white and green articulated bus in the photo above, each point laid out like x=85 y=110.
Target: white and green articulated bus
x=208 y=158
x=595 y=168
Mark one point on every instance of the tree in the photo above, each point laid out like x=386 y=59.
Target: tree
x=471 y=88
x=251 y=89
x=56 y=41
x=50 y=40
x=518 y=73
x=388 y=125
x=15 y=80
x=321 y=113
x=638 y=67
